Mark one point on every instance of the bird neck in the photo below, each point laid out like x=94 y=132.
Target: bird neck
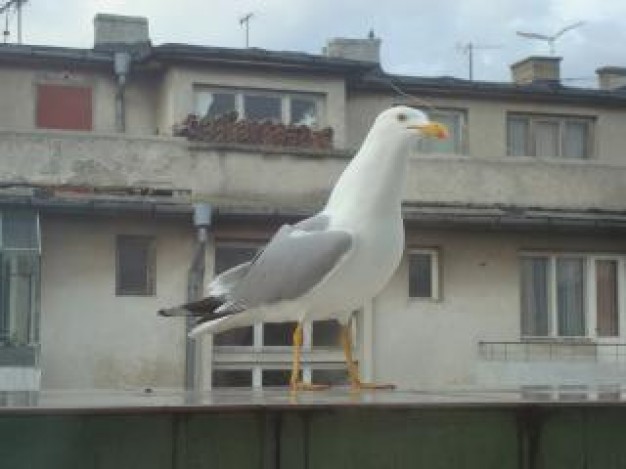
x=373 y=182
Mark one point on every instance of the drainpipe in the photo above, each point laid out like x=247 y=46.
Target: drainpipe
x=121 y=64
x=195 y=280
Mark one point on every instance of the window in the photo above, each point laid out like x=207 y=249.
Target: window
x=549 y=136
x=260 y=355
x=455 y=144
x=136 y=265
x=65 y=107
x=276 y=107
x=570 y=295
x=19 y=278
x=424 y=274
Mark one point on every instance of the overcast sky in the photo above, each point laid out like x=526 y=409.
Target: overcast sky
x=419 y=37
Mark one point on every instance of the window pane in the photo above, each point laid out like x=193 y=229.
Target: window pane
x=326 y=333
x=329 y=376
x=278 y=333
x=232 y=378
x=275 y=377
x=575 y=140
x=214 y=104
x=135 y=265
x=546 y=138
x=517 y=136
x=241 y=336
x=303 y=112
x=571 y=296
x=227 y=256
x=231 y=255
x=606 y=300
x=534 y=296
x=451 y=145
x=262 y=108
x=19 y=230
x=420 y=275
x=19 y=297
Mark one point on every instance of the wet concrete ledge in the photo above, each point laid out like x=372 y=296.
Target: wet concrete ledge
x=168 y=429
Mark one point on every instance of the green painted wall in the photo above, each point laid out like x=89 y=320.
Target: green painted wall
x=526 y=437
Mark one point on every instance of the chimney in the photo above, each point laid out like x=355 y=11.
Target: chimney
x=611 y=78
x=536 y=70
x=111 y=31
x=365 y=50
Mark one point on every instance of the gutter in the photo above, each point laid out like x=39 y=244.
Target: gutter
x=121 y=66
x=195 y=281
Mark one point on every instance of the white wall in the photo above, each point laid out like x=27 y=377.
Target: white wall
x=93 y=339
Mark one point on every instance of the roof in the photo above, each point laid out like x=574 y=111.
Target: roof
x=379 y=80
x=185 y=53
x=361 y=75
x=257 y=57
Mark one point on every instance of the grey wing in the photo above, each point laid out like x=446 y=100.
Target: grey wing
x=293 y=263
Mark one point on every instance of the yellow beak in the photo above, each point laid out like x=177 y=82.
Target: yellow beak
x=432 y=129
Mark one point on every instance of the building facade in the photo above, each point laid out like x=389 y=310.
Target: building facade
x=515 y=264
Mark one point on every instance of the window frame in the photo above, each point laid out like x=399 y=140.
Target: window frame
x=151 y=267
x=589 y=291
x=561 y=120
x=285 y=97
x=259 y=357
x=435 y=273
x=32 y=331
x=462 y=145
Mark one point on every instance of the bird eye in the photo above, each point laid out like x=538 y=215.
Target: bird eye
x=401 y=117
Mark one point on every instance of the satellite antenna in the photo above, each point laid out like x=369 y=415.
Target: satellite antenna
x=550 y=39
x=5 y=8
x=468 y=49
x=246 y=20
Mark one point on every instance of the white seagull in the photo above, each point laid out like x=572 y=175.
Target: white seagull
x=331 y=264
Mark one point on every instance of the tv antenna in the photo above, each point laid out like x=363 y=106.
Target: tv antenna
x=468 y=49
x=246 y=20
x=550 y=39
x=6 y=8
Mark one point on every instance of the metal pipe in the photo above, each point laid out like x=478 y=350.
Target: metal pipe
x=195 y=280
x=121 y=63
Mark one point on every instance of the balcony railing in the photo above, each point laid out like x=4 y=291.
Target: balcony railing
x=554 y=350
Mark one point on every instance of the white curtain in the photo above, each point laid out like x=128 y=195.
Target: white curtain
x=517 y=136
x=571 y=296
x=575 y=140
x=546 y=138
x=534 y=296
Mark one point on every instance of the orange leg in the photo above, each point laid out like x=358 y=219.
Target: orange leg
x=295 y=382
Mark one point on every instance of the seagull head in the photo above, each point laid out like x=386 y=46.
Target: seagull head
x=410 y=122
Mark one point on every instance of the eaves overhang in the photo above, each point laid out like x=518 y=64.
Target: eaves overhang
x=416 y=215
x=33 y=54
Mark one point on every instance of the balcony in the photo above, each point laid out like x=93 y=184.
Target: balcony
x=295 y=177
x=552 y=363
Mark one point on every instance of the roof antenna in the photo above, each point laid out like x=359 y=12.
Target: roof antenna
x=469 y=49
x=246 y=20
x=550 y=39
x=6 y=8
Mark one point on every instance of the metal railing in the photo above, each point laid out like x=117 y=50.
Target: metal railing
x=552 y=350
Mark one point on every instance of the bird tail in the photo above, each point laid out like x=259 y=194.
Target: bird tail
x=202 y=307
